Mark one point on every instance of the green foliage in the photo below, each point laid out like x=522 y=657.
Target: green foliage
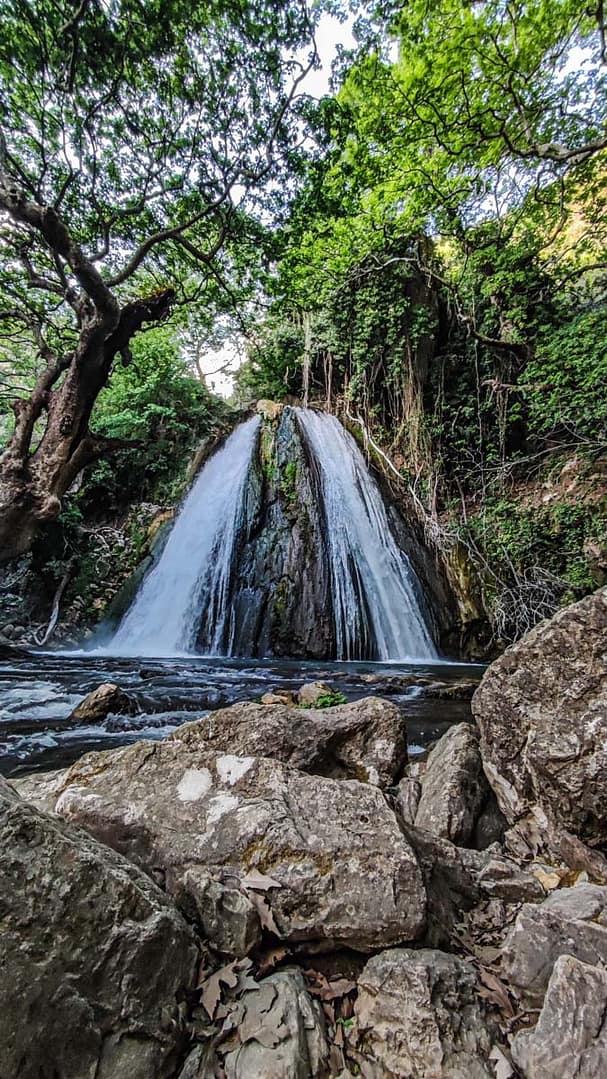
x=155 y=403
x=329 y=700
x=564 y=385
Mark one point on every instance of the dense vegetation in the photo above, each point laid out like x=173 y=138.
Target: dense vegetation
x=427 y=245
x=443 y=281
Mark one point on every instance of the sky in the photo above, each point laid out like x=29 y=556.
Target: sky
x=330 y=34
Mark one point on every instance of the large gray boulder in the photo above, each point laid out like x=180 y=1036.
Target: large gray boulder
x=453 y=786
x=571 y=921
x=542 y=712
x=570 y=1038
x=419 y=1017
x=334 y=865
x=364 y=740
x=94 y=959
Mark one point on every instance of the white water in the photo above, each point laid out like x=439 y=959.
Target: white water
x=374 y=585
x=164 y=618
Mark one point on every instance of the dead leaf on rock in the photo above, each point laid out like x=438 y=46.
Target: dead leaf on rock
x=265 y=913
x=269 y=959
x=548 y=881
x=259 y=882
x=503 y=1067
x=211 y=989
x=494 y=990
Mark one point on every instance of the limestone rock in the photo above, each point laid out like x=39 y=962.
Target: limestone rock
x=419 y=1017
x=408 y=794
x=106 y=698
x=542 y=712
x=454 y=787
x=327 y=856
x=41 y=789
x=365 y=740
x=94 y=959
x=310 y=693
x=280 y=1031
x=570 y=1038
x=571 y=921
x=270 y=410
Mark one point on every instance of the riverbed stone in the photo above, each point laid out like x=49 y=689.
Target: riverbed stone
x=366 y=739
x=453 y=787
x=419 y=1016
x=40 y=788
x=326 y=859
x=571 y=921
x=570 y=1038
x=542 y=712
x=106 y=698
x=94 y=959
x=310 y=693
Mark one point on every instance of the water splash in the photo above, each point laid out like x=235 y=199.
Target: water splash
x=376 y=598
x=192 y=576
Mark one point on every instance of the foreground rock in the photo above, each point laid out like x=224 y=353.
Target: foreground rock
x=280 y=1031
x=325 y=861
x=103 y=700
x=570 y=1038
x=453 y=786
x=94 y=959
x=571 y=921
x=419 y=1017
x=364 y=740
x=542 y=712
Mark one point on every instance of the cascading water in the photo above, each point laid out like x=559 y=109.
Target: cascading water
x=376 y=608
x=195 y=568
x=220 y=586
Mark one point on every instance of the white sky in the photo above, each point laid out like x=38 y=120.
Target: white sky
x=330 y=34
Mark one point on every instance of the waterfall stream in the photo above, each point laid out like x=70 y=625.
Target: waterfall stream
x=375 y=592
x=195 y=567
x=186 y=602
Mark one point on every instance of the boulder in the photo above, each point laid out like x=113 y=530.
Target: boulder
x=279 y=1032
x=453 y=787
x=571 y=921
x=41 y=789
x=94 y=959
x=98 y=704
x=419 y=1017
x=570 y=1038
x=406 y=798
x=365 y=740
x=324 y=859
x=311 y=692
x=542 y=712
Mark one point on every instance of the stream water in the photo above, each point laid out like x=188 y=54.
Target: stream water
x=38 y=691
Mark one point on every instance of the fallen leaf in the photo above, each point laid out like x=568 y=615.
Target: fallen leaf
x=548 y=881
x=503 y=1067
x=259 y=882
x=265 y=913
x=268 y=960
x=211 y=989
x=495 y=991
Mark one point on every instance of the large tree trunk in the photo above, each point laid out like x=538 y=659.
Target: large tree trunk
x=34 y=478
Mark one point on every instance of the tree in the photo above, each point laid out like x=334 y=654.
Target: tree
x=137 y=139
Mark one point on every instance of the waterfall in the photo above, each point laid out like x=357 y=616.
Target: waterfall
x=375 y=592
x=246 y=548
x=194 y=571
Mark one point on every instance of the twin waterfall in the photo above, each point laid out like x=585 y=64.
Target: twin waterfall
x=226 y=561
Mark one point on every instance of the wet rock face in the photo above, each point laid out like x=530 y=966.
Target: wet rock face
x=419 y=1017
x=335 y=867
x=91 y=955
x=98 y=704
x=364 y=740
x=570 y=1038
x=282 y=593
x=542 y=713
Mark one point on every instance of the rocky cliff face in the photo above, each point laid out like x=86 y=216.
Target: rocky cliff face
x=281 y=593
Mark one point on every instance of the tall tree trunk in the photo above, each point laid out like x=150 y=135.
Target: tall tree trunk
x=34 y=478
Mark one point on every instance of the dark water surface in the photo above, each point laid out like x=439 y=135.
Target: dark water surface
x=38 y=692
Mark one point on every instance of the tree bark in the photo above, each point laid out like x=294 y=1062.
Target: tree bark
x=34 y=479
